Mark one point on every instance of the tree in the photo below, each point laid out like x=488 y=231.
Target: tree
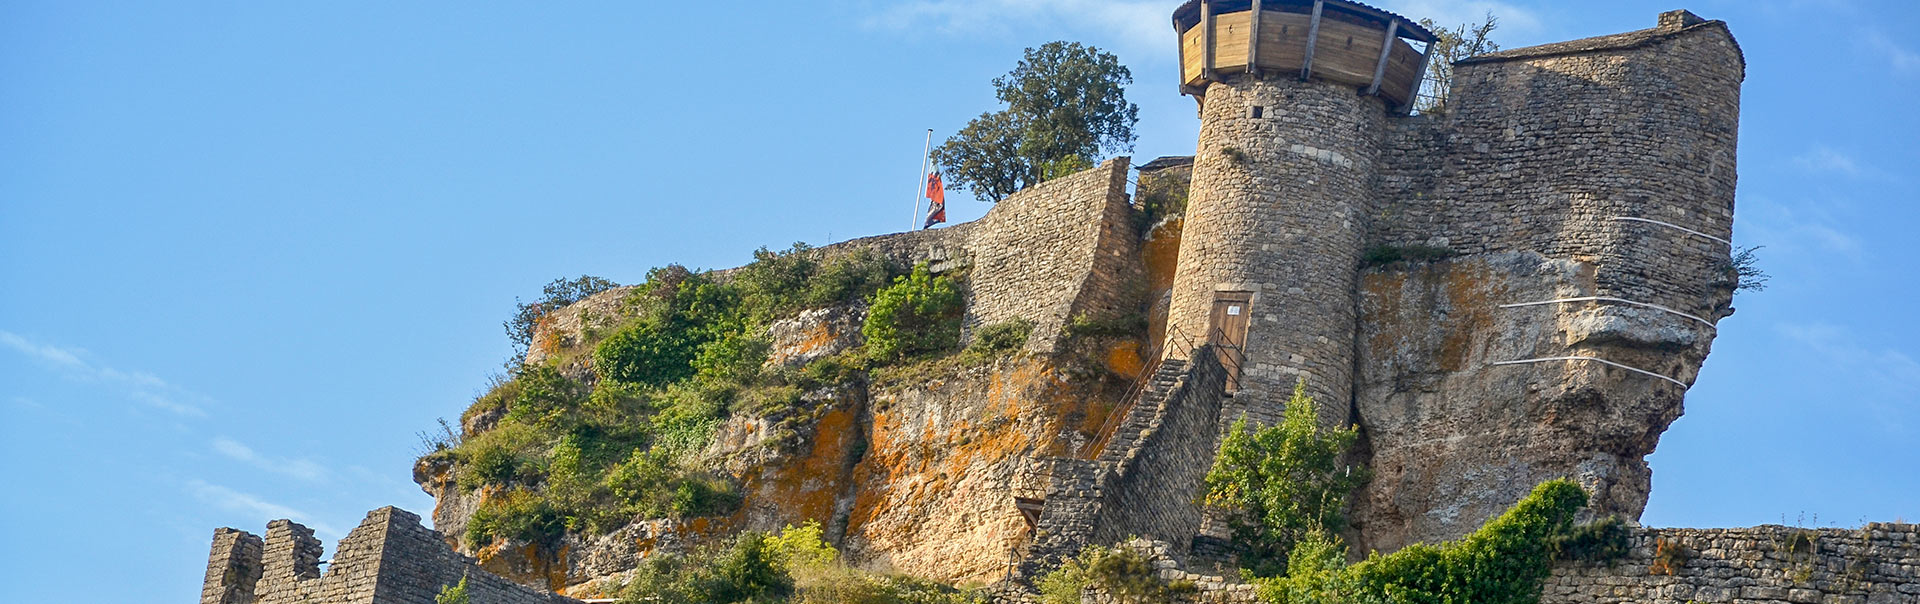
x=1285 y=483
x=1450 y=46
x=1066 y=107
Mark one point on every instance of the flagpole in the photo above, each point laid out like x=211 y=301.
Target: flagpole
x=920 y=185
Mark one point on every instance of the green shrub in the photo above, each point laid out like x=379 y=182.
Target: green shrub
x=747 y=570
x=518 y=514
x=1504 y=562
x=919 y=313
x=803 y=546
x=543 y=396
x=1388 y=254
x=849 y=277
x=1282 y=482
x=1604 y=540
x=1120 y=572
x=998 y=339
x=1084 y=325
x=454 y=594
x=703 y=495
x=649 y=353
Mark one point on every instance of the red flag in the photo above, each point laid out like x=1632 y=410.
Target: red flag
x=937 y=211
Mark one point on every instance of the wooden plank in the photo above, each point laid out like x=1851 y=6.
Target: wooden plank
x=1313 y=36
x=1253 y=40
x=1386 y=50
x=1230 y=39
x=1180 y=46
x=1420 y=74
x=1346 y=53
x=1206 y=39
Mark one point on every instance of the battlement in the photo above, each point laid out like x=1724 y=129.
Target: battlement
x=389 y=559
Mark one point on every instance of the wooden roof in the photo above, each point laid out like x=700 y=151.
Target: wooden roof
x=1188 y=15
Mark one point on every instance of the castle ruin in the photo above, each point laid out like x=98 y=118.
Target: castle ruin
x=1519 y=288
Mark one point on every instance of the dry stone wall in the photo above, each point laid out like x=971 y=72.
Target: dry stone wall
x=388 y=559
x=1875 y=564
x=1062 y=248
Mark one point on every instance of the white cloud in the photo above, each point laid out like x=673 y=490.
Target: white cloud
x=143 y=387
x=298 y=468
x=1903 y=60
x=1892 y=374
x=1822 y=158
x=262 y=511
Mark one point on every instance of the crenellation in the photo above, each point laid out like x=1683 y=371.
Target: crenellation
x=389 y=559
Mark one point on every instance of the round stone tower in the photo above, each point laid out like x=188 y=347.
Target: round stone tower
x=1294 y=96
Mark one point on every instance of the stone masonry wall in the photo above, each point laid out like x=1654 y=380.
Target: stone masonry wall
x=1055 y=250
x=1465 y=401
x=1543 y=148
x=1158 y=474
x=1876 y=564
x=1278 y=208
x=388 y=559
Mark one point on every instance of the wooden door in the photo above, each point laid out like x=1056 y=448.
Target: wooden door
x=1227 y=328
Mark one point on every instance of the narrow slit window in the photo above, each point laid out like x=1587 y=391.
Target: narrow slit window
x=1259 y=112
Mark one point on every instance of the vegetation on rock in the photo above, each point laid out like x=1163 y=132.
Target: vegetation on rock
x=796 y=566
x=556 y=295
x=1283 y=483
x=1066 y=107
x=1118 y=572
x=919 y=313
x=1504 y=562
x=572 y=452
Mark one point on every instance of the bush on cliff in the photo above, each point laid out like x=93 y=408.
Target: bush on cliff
x=1505 y=562
x=1119 y=572
x=919 y=313
x=796 y=566
x=556 y=295
x=1282 y=483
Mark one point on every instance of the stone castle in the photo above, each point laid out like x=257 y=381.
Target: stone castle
x=1519 y=288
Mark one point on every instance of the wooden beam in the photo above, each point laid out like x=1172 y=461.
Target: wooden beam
x=1180 y=50
x=1386 y=50
x=1419 y=78
x=1253 y=41
x=1313 y=35
x=1206 y=39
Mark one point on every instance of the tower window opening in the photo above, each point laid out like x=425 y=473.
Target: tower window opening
x=1258 y=112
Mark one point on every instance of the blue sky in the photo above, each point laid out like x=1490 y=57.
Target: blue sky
x=248 y=250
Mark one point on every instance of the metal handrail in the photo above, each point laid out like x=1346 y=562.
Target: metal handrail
x=1228 y=355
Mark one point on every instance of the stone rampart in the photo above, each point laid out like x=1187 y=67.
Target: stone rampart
x=388 y=559
x=1059 y=249
x=1876 y=564
x=1062 y=248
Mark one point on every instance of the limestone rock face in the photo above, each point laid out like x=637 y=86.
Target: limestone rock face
x=1454 y=436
